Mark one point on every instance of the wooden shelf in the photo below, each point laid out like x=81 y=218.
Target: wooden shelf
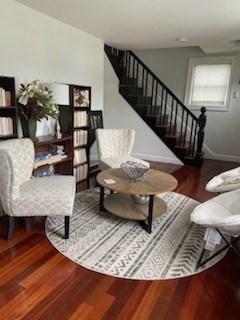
x=80 y=164
x=82 y=128
x=11 y=136
x=49 y=162
x=8 y=107
x=45 y=140
x=81 y=108
x=81 y=147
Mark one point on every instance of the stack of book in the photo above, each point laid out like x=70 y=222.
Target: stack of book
x=80 y=119
x=80 y=138
x=81 y=172
x=80 y=156
x=6 y=126
x=5 y=98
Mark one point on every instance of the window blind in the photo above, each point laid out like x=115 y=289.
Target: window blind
x=210 y=84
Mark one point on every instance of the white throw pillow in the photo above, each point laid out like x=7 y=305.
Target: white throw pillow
x=226 y=181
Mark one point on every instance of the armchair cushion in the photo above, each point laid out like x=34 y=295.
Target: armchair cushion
x=221 y=212
x=46 y=196
x=115 y=162
x=226 y=181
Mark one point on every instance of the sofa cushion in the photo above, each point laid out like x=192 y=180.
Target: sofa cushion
x=46 y=196
x=221 y=212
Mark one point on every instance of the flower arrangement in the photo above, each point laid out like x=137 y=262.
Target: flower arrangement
x=36 y=101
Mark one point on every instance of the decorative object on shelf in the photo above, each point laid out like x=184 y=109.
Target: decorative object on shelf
x=134 y=170
x=58 y=130
x=140 y=199
x=36 y=103
x=81 y=96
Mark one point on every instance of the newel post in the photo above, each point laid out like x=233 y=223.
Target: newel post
x=202 y=120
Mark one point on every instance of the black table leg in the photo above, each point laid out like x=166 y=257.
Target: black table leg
x=101 y=198
x=148 y=226
x=150 y=214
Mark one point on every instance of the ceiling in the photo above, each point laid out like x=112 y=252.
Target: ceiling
x=148 y=24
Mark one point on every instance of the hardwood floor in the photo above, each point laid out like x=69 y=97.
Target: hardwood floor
x=37 y=282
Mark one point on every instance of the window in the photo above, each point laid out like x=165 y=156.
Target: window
x=208 y=83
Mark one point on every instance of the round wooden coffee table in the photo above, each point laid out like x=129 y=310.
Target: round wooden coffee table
x=121 y=203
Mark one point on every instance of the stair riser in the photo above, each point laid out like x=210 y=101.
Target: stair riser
x=140 y=101
x=129 y=82
x=130 y=90
x=151 y=121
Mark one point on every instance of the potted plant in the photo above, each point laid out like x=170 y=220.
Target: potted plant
x=36 y=103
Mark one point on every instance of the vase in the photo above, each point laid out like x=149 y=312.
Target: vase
x=29 y=128
x=24 y=123
x=32 y=128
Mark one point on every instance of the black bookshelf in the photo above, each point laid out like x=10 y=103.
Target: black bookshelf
x=9 y=109
x=80 y=101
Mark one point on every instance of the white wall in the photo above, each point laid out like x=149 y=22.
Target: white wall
x=223 y=130
x=35 y=46
x=119 y=114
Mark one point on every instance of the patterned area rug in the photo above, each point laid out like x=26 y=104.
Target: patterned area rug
x=107 y=244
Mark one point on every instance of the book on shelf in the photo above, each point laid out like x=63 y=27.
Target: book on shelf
x=80 y=156
x=49 y=160
x=80 y=138
x=80 y=119
x=5 y=98
x=81 y=98
x=6 y=126
x=81 y=172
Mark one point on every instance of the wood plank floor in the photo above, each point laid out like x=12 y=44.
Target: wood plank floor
x=36 y=282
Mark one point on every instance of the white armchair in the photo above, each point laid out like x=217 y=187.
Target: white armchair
x=22 y=195
x=115 y=146
x=223 y=214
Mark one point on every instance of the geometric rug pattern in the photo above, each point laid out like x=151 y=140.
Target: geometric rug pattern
x=104 y=243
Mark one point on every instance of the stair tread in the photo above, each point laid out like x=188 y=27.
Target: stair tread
x=157 y=116
x=163 y=125
x=186 y=145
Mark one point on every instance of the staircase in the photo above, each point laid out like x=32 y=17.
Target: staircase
x=158 y=106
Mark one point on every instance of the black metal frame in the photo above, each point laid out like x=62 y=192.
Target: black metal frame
x=11 y=227
x=228 y=245
x=146 y=225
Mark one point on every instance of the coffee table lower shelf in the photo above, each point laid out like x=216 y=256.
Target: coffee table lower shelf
x=123 y=206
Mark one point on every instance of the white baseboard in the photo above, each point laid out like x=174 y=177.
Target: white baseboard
x=157 y=158
x=209 y=154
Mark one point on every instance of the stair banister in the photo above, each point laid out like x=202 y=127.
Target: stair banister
x=149 y=89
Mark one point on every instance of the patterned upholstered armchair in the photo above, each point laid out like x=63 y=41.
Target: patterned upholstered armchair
x=115 y=146
x=22 y=195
